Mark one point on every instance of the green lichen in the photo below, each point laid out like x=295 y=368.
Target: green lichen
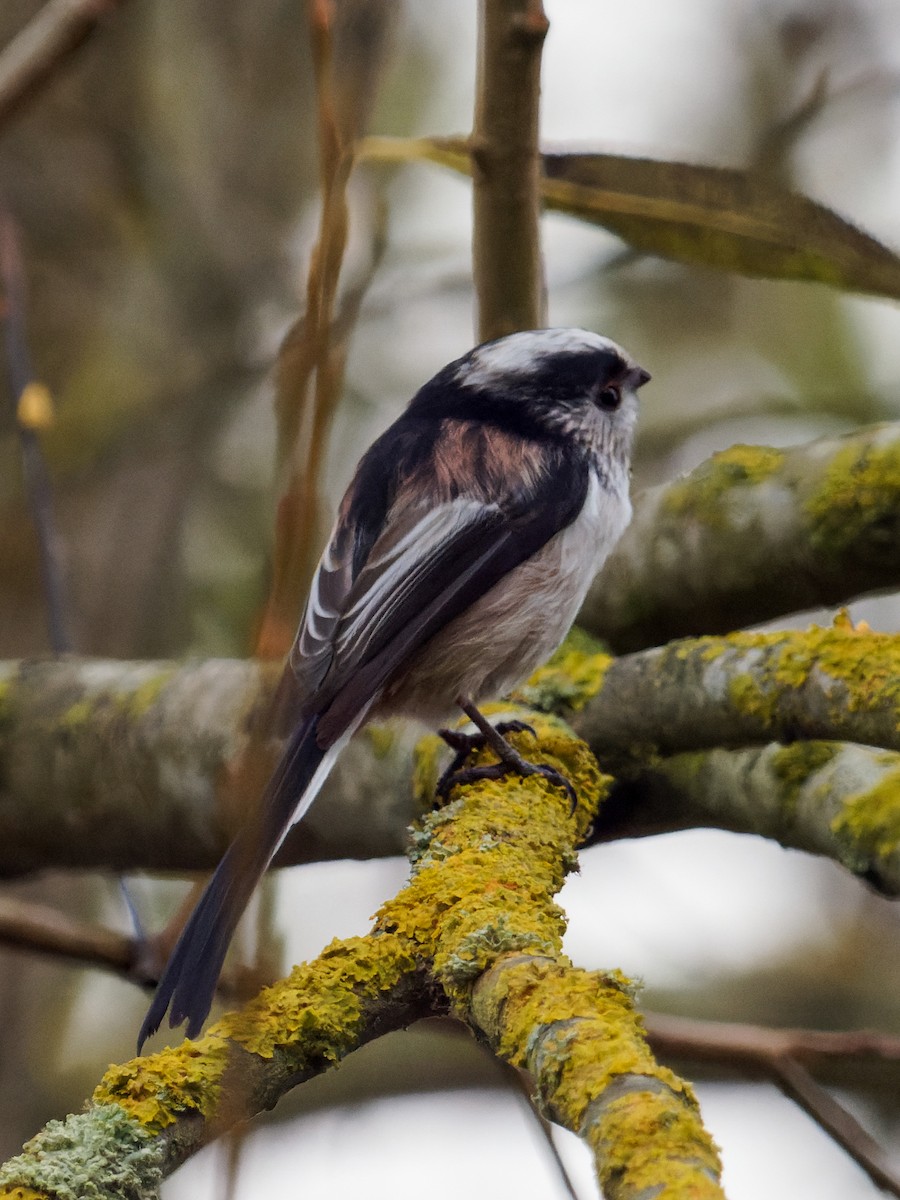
x=159 y=1089
x=855 y=508
x=477 y=949
x=868 y=825
x=99 y=1153
x=700 y=495
x=570 y=678
x=795 y=764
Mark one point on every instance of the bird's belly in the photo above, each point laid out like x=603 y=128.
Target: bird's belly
x=514 y=627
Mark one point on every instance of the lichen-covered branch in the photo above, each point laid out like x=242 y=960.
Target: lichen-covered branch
x=477 y=932
x=147 y=1116
x=829 y=684
x=830 y=798
x=506 y=251
x=124 y=765
x=752 y=534
x=578 y=1036
x=132 y=760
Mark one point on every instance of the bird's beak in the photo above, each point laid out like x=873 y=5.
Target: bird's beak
x=639 y=377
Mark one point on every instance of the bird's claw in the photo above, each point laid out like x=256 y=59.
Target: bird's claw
x=511 y=762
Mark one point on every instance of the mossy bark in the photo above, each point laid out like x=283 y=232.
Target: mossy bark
x=752 y=534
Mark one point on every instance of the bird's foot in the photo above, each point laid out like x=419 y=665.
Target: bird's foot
x=511 y=761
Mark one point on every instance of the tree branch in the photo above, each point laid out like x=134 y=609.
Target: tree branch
x=33 y=56
x=476 y=931
x=39 y=927
x=828 y=684
x=777 y=1053
x=828 y=798
x=819 y=523
x=506 y=250
x=132 y=760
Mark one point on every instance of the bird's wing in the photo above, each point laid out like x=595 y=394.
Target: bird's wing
x=426 y=568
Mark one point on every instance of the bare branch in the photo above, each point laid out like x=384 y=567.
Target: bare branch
x=39 y=927
x=777 y=1053
x=746 y=1045
x=506 y=251
x=33 y=56
x=796 y=1082
x=34 y=412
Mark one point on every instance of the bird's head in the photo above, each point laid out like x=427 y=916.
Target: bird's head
x=559 y=382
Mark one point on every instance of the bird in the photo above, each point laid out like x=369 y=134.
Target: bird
x=460 y=555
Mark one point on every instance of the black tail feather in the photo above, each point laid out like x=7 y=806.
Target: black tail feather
x=189 y=981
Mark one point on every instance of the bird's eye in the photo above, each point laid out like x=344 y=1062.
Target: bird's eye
x=609 y=399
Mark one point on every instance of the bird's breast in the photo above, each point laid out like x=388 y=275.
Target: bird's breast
x=501 y=638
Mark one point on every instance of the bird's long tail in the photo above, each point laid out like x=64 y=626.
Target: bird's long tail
x=188 y=983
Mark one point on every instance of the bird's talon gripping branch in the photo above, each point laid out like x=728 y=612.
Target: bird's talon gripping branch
x=511 y=761
x=515 y=764
x=466 y=744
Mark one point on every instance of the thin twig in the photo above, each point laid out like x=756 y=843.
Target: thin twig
x=726 y=1041
x=306 y=353
x=522 y=1086
x=506 y=249
x=776 y=1053
x=34 y=54
x=795 y=1081
x=38 y=927
x=37 y=479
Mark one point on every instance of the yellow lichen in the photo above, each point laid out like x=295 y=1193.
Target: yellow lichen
x=174 y=1083
x=317 y=1012
x=145 y=696
x=577 y=1034
x=855 y=507
x=427 y=768
x=508 y=840
x=795 y=764
x=77 y=715
x=866 y=665
x=656 y=1142
x=570 y=678
x=701 y=494
x=381 y=738
x=869 y=822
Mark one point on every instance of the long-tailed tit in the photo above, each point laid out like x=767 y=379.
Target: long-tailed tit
x=462 y=551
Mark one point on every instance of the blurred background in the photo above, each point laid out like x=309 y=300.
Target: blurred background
x=165 y=190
